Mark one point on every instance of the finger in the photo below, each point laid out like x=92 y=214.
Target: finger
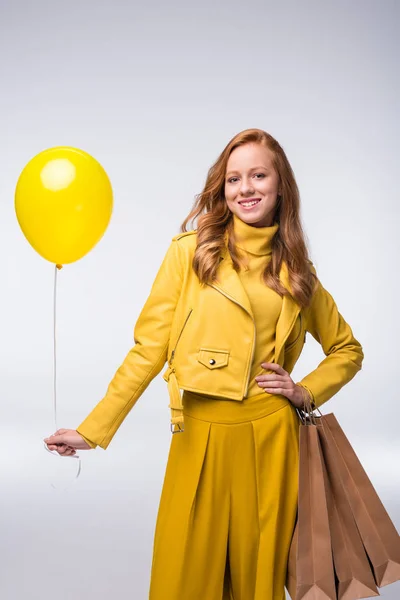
x=275 y=391
x=69 y=452
x=273 y=377
x=52 y=447
x=273 y=384
x=55 y=449
x=55 y=439
x=61 y=448
x=274 y=367
x=60 y=453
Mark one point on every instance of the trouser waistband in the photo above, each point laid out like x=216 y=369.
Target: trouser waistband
x=224 y=410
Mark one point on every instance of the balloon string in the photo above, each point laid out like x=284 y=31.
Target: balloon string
x=54 y=452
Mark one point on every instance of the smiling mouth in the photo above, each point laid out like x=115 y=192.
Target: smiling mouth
x=249 y=202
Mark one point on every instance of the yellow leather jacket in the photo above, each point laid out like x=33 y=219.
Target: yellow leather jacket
x=206 y=334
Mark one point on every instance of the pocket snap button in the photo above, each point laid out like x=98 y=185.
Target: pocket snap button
x=213 y=358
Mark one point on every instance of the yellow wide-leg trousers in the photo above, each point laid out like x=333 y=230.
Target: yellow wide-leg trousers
x=228 y=505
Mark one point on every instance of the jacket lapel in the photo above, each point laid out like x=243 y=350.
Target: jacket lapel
x=228 y=282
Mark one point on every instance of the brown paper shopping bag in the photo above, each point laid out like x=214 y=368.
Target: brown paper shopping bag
x=378 y=533
x=310 y=573
x=365 y=543
x=354 y=576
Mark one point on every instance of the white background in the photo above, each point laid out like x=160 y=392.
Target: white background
x=154 y=91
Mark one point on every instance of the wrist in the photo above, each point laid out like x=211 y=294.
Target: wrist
x=308 y=402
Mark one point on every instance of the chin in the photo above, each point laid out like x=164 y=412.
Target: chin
x=254 y=219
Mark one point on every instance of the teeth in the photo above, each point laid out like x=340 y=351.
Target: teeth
x=249 y=203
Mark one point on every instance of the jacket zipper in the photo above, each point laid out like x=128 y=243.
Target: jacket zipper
x=299 y=334
x=179 y=336
x=253 y=344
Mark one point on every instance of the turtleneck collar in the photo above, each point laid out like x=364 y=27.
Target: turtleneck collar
x=256 y=240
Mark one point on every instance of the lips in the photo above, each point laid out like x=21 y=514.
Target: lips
x=250 y=200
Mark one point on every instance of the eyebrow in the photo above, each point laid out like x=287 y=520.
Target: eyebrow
x=252 y=169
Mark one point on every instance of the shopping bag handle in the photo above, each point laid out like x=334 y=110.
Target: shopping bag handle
x=306 y=415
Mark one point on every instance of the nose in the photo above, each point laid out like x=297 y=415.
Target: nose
x=246 y=187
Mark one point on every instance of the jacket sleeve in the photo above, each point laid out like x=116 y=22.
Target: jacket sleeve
x=344 y=354
x=145 y=359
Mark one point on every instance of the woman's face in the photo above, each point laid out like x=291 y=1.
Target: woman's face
x=250 y=177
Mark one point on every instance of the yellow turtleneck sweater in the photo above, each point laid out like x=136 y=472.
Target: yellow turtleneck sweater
x=266 y=304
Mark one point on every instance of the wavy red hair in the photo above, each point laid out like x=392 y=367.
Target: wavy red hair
x=215 y=223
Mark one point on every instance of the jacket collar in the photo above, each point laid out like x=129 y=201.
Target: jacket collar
x=228 y=282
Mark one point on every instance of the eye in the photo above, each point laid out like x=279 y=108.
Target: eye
x=260 y=174
x=231 y=179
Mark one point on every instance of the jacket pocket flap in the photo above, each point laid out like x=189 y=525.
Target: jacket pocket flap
x=213 y=359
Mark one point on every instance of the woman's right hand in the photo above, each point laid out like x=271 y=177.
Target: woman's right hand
x=66 y=442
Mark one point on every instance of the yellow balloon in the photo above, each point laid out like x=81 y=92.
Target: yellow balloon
x=63 y=202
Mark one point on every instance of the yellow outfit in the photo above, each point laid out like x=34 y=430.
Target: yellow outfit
x=229 y=500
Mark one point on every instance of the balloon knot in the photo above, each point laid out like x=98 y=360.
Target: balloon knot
x=59 y=267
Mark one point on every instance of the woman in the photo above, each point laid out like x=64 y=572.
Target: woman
x=229 y=310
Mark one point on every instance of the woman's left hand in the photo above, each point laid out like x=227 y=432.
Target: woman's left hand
x=280 y=382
